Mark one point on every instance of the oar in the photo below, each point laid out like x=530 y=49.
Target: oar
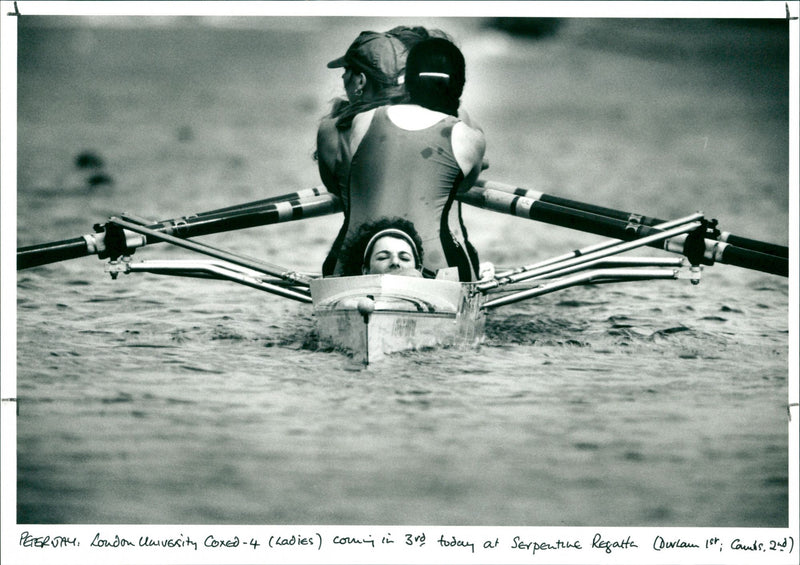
x=630 y=217
x=117 y=244
x=299 y=195
x=289 y=207
x=709 y=250
x=534 y=195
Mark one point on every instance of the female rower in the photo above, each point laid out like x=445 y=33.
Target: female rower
x=374 y=72
x=387 y=246
x=410 y=160
x=374 y=67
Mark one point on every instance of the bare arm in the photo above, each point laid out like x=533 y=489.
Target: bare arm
x=467 y=119
x=469 y=146
x=327 y=150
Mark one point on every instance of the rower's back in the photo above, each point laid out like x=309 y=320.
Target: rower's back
x=412 y=160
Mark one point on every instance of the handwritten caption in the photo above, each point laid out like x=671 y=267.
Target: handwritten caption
x=412 y=541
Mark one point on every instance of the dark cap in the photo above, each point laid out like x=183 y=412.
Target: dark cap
x=380 y=55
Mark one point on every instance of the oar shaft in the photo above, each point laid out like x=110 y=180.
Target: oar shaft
x=566 y=202
x=489 y=195
x=273 y=213
x=755 y=245
x=508 y=203
x=721 y=252
x=42 y=254
x=628 y=217
x=555 y=214
x=248 y=218
x=300 y=194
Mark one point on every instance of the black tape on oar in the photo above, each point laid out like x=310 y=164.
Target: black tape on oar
x=297 y=209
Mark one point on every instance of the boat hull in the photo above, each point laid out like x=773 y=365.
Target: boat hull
x=374 y=315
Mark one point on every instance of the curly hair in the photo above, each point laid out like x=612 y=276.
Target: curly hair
x=353 y=248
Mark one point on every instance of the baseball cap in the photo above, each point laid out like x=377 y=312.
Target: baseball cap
x=380 y=55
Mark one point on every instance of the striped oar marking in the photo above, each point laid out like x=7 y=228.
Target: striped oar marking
x=517 y=191
x=498 y=201
x=299 y=195
x=289 y=210
x=633 y=219
x=251 y=217
x=513 y=204
x=523 y=207
x=298 y=208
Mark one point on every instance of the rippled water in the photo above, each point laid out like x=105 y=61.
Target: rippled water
x=152 y=400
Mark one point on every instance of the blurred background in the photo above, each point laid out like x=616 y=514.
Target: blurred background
x=178 y=401
x=661 y=117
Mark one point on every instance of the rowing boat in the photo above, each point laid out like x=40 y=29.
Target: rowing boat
x=371 y=316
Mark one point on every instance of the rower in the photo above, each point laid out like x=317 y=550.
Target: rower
x=411 y=160
x=387 y=246
x=374 y=66
x=391 y=252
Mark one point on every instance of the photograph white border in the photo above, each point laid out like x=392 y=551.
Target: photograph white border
x=13 y=551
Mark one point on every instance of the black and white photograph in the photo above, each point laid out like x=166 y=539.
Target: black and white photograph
x=399 y=282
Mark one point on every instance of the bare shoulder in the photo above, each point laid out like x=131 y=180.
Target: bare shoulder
x=362 y=120
x=327 y=135
x=327 y=153
x=469 y=144
x=469 y=133
x=358 y=130
x=464 y=116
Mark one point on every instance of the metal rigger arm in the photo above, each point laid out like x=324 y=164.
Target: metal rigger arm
x=598 y=264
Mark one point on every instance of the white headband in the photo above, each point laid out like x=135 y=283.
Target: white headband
x=392 y=232
x=432 y=74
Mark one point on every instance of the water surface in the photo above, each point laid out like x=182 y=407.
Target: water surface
x=152 y=400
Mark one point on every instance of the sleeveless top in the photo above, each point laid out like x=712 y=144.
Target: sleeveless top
x=413 y=175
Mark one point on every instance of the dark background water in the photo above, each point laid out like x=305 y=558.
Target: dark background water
x=148 y=400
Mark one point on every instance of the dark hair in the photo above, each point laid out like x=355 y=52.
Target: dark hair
x=410 y=36
x=435 y=75
x=353 y=248
x=344 y=111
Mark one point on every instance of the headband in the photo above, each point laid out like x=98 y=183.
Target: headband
x=432 y=74
x=393 y=232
